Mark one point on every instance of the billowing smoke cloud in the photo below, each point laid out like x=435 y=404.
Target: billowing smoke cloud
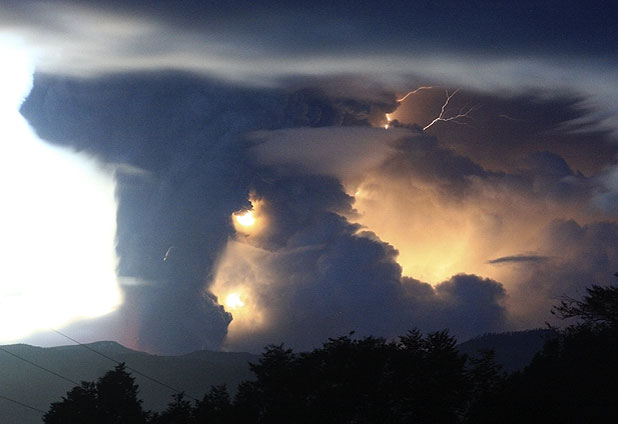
x=446 y=214
x=179 y=147
x=184 y=174
x=357 y=228
x=310 y=274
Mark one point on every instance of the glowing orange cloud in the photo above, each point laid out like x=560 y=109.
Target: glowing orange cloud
x=233 y=301
x=245 y=219
x=438 y=235
x=250 y=222
x=241 y=271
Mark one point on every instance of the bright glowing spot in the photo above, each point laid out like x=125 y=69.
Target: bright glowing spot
x=388 y=121
x=57 y=221
x=241 y=274
x=233 y=301
x=251 y=222
x=246 y=219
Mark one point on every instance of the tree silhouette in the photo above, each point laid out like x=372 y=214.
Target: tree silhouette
x=486 y=379
x=429 y=380
x=598 y=307
x=215 y=407
x=344 y=381
x=111 y=400
x=271 y=398
x=417 y=379
x=574 y=378
x=79 y=406
x=117 y=397
x=179 y=411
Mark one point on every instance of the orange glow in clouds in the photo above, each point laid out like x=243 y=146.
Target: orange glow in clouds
x=250 y=222
x=438 y=234
x=434 y=240
x=241 y=270
x=388 y=121
x=233 y=301
x=245 y=219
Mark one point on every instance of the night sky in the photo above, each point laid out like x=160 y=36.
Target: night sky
x=368 y=214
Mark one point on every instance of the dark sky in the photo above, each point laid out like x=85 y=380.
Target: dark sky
x=205 y=109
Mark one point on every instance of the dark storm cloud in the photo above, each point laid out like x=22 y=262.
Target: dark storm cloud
x=424 y=158
x=606 y=195
x=471 y=302
x=582 y=254
x=183 y=136
x=186 y=164
x=189 y=150
x=429 y=200
x=483 y=26
x=591 y=246
x=178 y=145
x=182 y=133
x=566 y=46
x=516 y=126
x=420 y=159
x=183 y=169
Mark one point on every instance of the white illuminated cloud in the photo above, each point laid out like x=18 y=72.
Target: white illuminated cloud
x=58 y=221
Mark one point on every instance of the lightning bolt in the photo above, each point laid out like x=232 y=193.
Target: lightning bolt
x=463 y=113
x=408 y=94
x=429 y=87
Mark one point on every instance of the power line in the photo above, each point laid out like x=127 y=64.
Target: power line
x=22 y=404
x=39 y=366
x=167 y=386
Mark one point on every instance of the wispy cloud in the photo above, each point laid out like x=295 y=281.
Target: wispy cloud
x=518 y=259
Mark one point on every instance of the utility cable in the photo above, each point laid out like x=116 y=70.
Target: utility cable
x=167 y=386
x=25 y=405
x=39 y=366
